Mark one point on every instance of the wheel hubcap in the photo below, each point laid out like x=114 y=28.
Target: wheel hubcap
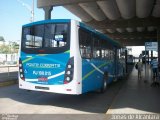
x=105 y=85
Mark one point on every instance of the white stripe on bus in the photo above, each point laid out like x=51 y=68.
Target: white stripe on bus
x=56 y=75
x=96 y=67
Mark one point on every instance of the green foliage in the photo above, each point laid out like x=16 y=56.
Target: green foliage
x=2 y=39
x=14 y=47
x=4 y=49
x=9 y=49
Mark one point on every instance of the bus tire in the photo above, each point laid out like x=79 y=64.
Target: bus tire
x=104 y=84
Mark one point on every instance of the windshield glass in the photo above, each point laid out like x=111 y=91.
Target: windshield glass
x=46 y=36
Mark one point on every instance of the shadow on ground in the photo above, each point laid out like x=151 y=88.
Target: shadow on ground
x=92 y=102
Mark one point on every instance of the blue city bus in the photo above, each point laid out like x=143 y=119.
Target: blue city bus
x=66 y=56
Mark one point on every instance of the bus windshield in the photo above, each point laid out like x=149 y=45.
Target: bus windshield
x=45 y=36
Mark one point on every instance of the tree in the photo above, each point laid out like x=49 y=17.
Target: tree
x=2 y=39
x=15 y=47
x=4 y=49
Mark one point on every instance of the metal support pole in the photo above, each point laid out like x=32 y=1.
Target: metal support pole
x=151 y=55
x=145 y=66
x=158 y=50
x=150 y=62
x=115 y=62
x=48 y=11
x=148 y=57
x=126 y=61
x=158 y=41
x=8 y=71
x=32 y=11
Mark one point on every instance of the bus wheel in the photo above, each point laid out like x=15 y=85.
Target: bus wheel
x=104 y=84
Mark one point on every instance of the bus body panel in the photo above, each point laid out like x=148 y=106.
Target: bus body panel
x=56 y=76
x=74 y=52
x=55 y=80
x=46 y=88
x=45 y=69
x=93 y=73
x=46 y=72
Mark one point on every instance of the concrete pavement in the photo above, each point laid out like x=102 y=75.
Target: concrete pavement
x=8 y=79
x=137 y=96
x=123 y=98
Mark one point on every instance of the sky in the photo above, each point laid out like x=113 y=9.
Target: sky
x=13 y=15
x=136 y=50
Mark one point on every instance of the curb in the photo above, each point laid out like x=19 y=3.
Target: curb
x=8 y=83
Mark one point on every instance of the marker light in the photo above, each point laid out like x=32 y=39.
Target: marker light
x=21 y=76
x=21 y=70
x=69 y=66
x=68 y=78
x=68 y=72
x=20 y=65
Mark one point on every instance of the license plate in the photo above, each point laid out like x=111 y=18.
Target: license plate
x=44 y=79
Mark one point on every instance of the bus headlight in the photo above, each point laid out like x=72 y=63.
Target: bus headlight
x=69 y=71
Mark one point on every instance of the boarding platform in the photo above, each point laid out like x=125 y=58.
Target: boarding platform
x=137 y=96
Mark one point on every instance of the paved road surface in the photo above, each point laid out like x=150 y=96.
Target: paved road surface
x=18 y=101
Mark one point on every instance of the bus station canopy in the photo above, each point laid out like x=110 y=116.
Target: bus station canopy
x=131 y=22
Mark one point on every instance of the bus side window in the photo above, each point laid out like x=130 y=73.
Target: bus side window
x=85 y=44
x=103 y=53
x=106 y=54
x=111 y=55
x=97 y=52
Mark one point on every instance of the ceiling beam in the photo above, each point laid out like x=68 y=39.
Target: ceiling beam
x=134 y=42
x=44 y=3
x=123 y=23
x=133 y=39
x=138 y=35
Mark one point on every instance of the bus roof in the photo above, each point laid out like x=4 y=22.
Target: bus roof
x=47 y=21
x=105 y=37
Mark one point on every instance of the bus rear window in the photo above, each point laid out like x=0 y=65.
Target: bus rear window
x=45 y=36
x=33 y=37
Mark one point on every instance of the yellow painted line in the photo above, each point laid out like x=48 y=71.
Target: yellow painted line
x=68 y=51
x=41 y=55
x=28 y=59
x=7 y=83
